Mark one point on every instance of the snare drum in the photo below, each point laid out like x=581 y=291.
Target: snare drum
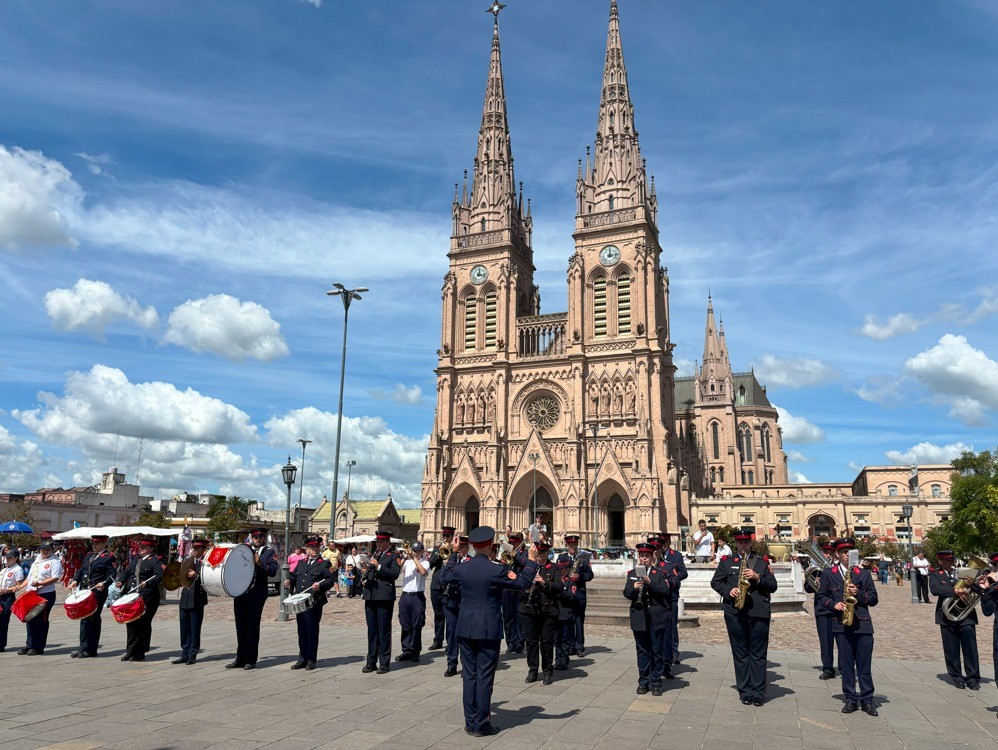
x=80 y=604
x=228 y=570
x=128 y=608
x=298 y=603
x=28 y=606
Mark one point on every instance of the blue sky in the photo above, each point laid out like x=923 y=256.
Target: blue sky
x=180 y=183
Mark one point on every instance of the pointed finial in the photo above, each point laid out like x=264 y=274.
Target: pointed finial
x=455 y=192
x=580 y=168
x=528 y=207
x=613 y=8
x=653 y=184
x=495 y=9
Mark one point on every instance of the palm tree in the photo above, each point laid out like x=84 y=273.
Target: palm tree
x=233 y=506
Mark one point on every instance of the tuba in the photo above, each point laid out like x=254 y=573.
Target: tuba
x=820 y=564
x=956 y=608
x=743 y=584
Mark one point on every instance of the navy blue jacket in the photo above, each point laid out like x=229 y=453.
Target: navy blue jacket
x=989 y=604
x=725 y=578
x=584 y=569
x=436 y=564
x=542 y=598
x=266 y=567
x=819 y=609
x=308 y=572
x=674 y=564
x=379 y=585
x=833 y=589
x=147 y=572
x=194 y=596
x=652 y=603
x=481 y=581
x=941 y=586
x=97 y=568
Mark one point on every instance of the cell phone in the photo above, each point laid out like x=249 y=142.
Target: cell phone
x=853 y=558
x=640 y=571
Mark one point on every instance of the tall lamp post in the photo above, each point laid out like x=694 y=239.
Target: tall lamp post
x=907 y=511
x=350 y=465
x=301 y=484
x=288 y=472
x=347 y=296
x=533 y=502
x=595 y=428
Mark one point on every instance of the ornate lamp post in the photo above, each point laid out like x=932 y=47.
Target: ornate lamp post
x=347 y=296
x=288 y=473
x=907 y=511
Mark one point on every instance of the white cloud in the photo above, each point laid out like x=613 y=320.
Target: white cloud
x=313 y=3
x=797 y=372
x=928 y=453
x=96 y=162
x=90 y=306
x=798 y=429
x=797 y=478
x=684 y=367
x=798 y=457
x=886 y=391
x=400 y=395
x=958 y=375
x=895 y=326
x=36 y=195
x=98 y=404
x=224 y=325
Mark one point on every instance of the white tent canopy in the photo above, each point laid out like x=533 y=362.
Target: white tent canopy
x=85 y=532
x=362 y=539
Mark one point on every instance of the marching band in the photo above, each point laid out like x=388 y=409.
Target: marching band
x=522 y=592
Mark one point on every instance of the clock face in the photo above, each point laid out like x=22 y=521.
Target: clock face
x=609 y=255
x=479 y=274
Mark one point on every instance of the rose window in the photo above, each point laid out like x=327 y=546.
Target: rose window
x=543 y=412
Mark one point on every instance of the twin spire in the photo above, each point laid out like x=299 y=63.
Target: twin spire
x=715 y=349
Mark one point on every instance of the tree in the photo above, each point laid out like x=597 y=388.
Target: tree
x=232 y=506
x=20 y=511
x=157 y=520
x=942 y=536
x=974 y=520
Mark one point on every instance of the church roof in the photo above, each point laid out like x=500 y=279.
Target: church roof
x=363 y=508
x=410 y=515
x=755 y=394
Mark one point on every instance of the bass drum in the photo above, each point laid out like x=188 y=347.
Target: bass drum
x=128 y=608
x=80 y=604
x=228 y=570
x=28 y=606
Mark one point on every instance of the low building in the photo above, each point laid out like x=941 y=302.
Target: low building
x=354 y=517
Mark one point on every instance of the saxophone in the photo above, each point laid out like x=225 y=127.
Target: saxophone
x=849 y=613
x=743 y=584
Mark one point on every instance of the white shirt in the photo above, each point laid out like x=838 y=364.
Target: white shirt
x=535 y=531
x=10 y=577
x=42 y=569
x=724 y=551
x=921 y=566
x=704 y=545
x=412 y=580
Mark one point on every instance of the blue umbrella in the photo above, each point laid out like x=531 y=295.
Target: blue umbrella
x=15 y=527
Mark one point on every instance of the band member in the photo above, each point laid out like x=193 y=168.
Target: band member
x=436 y=563
x=193 y=600
x=564 y=640
x=748 y=626
x=539 y=614
x=651 y=599
x=452 y=607
x=314 y=574
x=41 y=578
x=10 y=576
x=989 y=605
x=144 y=575
x=380 y=574
x=583 y=574
x=957 y=636
x=675 y=566
x=855 y=642
x=248 y=607
x=96 y=573
x=412 y=605
x=511 y=627
x=823 y=622
x=479 y=625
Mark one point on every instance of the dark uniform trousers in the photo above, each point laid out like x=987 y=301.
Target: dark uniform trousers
x=138 y=634
x=749 y=637
x=38 y=626
x=378 y=614
x=90 y=627
x=540 y=632
x=452 y=608
x=190 y=631
x=248 y=611
x=826 y=641
x=957 y=637
x=412 y=618
x=6 y=602
x=437 y=600
x=579 y=619
x=308 y=632
x=565 y=640
x=479 y=658
x=511 y=619
x=97 y=567
x=651 y=660
x=856 y=659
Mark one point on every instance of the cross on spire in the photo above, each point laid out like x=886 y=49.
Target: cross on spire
x=495 y=9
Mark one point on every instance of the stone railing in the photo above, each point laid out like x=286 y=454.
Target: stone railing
x=542 y=335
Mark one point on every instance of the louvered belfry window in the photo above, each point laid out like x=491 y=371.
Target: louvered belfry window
x=470 y=322
x=624 y=305
x=599 y=306
x=490 y=320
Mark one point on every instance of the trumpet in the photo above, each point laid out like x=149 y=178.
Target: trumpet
x=443 y=551
x=509 y=557
x=406 y=549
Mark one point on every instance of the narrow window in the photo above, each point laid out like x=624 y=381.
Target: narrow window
x=765 y=444
x=611 y=202
x=715 y=436
x=490 y=320
x=599 y=306
x=623 y=305
x=937 y=491
x=713 y=474
x=470 y=322
x=483 y=225
x=892 y=490
x=751 y=477
x=720 y=473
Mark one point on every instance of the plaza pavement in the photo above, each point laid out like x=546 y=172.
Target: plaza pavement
x=52 y=701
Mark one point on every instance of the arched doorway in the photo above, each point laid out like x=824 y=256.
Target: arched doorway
x=821 y=525
x=615 y=521
x=471 y=509
x=543 y=507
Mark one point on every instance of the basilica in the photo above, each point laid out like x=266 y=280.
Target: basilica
x=578 y=416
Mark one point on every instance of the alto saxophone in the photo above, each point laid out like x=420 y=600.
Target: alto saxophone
x=743 y=584
x=849 y=613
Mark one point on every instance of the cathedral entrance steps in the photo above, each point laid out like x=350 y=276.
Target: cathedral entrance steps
x=606 y=605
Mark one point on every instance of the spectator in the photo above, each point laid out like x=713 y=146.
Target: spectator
x=294 y=557
x=703 y=541
x=920 y=570
x=723 y=550
x=884 y=572
x=353 y=561
x=537 y=530
x=332 y=555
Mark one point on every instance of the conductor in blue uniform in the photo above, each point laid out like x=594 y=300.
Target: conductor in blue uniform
x=479 y=624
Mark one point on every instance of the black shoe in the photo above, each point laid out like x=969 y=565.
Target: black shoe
x=309 y=666
x=518 y=650
x=34 y=652
x=973 y=685
x=300 y=664
x=509 y=650
x=139 y=658
x=249 y=666
x=469 y=730
x=22 y=652
x=192 y=660
x=676 y=661
x=561 y=667
x=339 y=596
x=667 y=675
x=487 y=732
x=181 y=660
x=383 y=670
x=746 y=701
x=76 y=654
x=656 y=691
x=235 y=665
x=849 y=707
x=415 y=659
x=826 y=674
x=436 y=646
x=531 y=676
x=548 y=678
x=126 y=657
x=450 y=671
x=758 y=701
x=367 y=669
x=960 y=684
x=869 y=708
x=85 y=655
x=642 y=690
x=403 y=657
x=580 y=652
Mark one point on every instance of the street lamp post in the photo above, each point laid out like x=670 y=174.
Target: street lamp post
x=347 y=296
x=350 y=465
x=595 y=428
x=533 y=502
x=288 y=472
x=907 y=511
x=301 y=484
